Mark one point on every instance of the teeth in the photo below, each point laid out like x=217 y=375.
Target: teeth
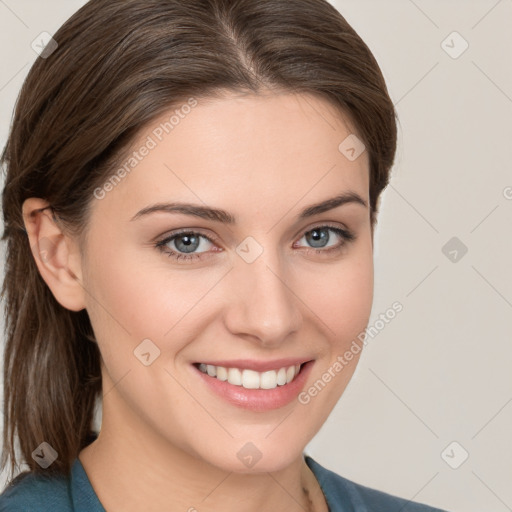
x=281 y=377
x=251 y=379
x=235 y=376
x=222 y=373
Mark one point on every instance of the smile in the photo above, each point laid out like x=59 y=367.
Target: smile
x=251 y=379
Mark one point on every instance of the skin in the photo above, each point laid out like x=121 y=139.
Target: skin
x=263 y=158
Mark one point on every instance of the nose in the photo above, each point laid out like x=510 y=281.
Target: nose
x=263 y=306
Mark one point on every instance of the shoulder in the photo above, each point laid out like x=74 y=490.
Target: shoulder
x=341 y=492
x=36 y=493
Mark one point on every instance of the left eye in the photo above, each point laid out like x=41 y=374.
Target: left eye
x=186 y=242
x=320 y=236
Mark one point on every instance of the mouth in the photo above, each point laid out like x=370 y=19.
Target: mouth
x=252 y=379
x=258 y=386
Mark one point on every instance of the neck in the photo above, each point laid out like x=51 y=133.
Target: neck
x=120 y=462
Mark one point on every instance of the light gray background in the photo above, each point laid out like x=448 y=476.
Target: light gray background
x=440 y=371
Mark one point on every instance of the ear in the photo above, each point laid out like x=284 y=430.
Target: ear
x=56 y=254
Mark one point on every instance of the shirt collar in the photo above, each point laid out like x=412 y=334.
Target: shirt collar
x=340 y=494
x=82 y=493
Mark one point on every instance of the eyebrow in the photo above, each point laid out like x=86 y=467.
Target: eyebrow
x=219 y=215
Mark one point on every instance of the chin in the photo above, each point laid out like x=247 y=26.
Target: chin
x=258 y=456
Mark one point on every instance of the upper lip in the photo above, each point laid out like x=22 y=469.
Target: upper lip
x=258 y=366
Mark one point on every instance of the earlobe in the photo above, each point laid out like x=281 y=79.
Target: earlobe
x=54 y=254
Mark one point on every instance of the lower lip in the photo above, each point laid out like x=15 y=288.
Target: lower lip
x=258 y=399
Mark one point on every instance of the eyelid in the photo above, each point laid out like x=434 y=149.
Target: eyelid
x=183 y=231
x=324 y=224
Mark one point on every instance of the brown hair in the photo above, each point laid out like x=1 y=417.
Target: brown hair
x=120 y=64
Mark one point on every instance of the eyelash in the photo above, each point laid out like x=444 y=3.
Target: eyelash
x=345 y=235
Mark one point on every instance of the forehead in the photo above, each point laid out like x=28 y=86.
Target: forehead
x=264 y=151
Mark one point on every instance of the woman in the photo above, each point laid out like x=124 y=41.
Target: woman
x=189 y=205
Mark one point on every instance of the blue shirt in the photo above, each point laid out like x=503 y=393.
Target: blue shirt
x=29 y=492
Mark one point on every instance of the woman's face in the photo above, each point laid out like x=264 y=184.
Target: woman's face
x=271 y=288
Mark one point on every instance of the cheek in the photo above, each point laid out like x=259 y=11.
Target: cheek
x=355 y=293
x=140 y=295
x=344 y=309
x=343 y=299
